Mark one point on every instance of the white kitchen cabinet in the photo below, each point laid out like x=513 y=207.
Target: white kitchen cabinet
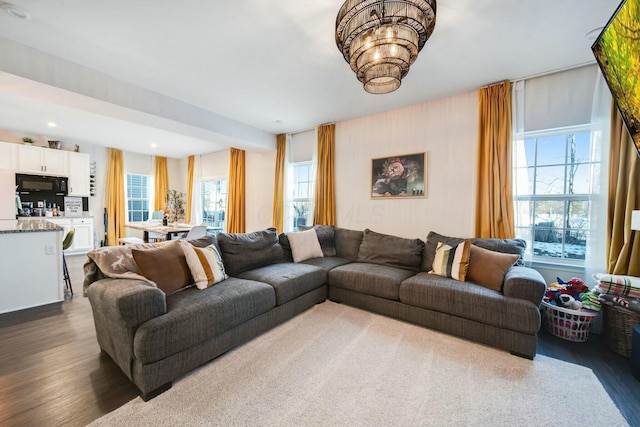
x=62 y=222
x=41 y=160
x=79 y=164
x=83 y=235
x=8 y=155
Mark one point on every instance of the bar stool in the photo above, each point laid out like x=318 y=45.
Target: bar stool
x=66 y=244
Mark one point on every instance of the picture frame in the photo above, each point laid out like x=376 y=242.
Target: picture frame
x=399 y=176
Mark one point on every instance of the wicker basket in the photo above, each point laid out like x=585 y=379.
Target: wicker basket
x=571 y=325
x=617 y=328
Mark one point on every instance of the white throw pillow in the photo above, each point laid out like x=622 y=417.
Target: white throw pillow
x=304 y=245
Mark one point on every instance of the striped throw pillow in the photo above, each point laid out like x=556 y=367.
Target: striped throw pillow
x=452 y=261
x=205 y=264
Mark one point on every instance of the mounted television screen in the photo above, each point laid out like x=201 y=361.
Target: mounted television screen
x=617 y=50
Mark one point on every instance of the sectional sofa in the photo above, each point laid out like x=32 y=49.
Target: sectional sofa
x=157 y=326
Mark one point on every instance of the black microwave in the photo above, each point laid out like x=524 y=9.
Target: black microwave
x=26 y=184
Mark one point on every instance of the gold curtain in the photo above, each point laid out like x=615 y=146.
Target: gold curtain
x=235 y=209
x=161 y=179
x=623 y=244
x=494 y=201
x=190 y=173
x=324 y=212
x=115 y=199
x=278 y=187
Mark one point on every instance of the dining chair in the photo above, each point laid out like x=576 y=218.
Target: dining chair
x=156 y=216
x=196 y=232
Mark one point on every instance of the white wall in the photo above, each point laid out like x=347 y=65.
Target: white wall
x=215 y=164
x=447 y=129
x=260 y=170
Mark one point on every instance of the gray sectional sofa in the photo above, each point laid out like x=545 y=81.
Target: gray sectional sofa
x=155 y=338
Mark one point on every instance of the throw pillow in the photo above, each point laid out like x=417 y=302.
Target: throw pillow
x=304 y=245
x=487 y=268
x=205 y=264
x=326 y=237
x=451 y=261
x=511 y=246
x=165 y=265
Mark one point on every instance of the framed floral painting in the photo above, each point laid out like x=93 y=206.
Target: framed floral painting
x=399 y=176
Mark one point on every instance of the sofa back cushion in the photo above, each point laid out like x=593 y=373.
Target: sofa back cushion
x=507 y=246
x=286 y=247
x=348 y=243
x=392 y=251
x=246 y=251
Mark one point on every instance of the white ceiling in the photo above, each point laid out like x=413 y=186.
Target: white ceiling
x=196 y=76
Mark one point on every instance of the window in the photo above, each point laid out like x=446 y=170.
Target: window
x=138 y=197
x=553 y=184
x=302 y=192
x=214 y=200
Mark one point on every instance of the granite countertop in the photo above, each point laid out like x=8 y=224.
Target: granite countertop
x=27 y=226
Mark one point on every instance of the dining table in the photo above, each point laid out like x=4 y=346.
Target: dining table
x=170 y=230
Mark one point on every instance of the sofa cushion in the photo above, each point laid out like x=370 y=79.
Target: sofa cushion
x=304 y=245
x=205 y=264
x=488 y=268
x=470 y=301
x=245 y=251
x=370 y=279
x=510 y=246
x=165 y=265
x=194 y=316
x=384 y=249
x=327 y=263
x=348 y=243
x=452 y=261
x=204 y=241
x=286 y=247
x=289 y=280
x=326 y=237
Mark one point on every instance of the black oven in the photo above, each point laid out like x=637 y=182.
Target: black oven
x=27 y=184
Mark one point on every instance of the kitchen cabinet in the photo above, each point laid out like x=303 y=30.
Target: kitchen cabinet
x=79 y=165
x=42 y=161
x=83 y=235
x=8 y=155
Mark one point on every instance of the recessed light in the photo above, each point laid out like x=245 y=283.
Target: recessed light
x=15 y=11
x=52 y=125
x=154 y=145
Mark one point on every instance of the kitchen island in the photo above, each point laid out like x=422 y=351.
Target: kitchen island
x=31 y=264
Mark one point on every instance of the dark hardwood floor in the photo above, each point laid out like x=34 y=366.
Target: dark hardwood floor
x=52 y=372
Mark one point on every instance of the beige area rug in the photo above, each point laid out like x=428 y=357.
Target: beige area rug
x=335 y=365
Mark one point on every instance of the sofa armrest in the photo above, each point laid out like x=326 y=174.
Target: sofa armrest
x=524 y=283
x=119 y=307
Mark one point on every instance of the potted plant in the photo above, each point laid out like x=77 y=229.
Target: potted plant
x=27 y=140
x=175 y=206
